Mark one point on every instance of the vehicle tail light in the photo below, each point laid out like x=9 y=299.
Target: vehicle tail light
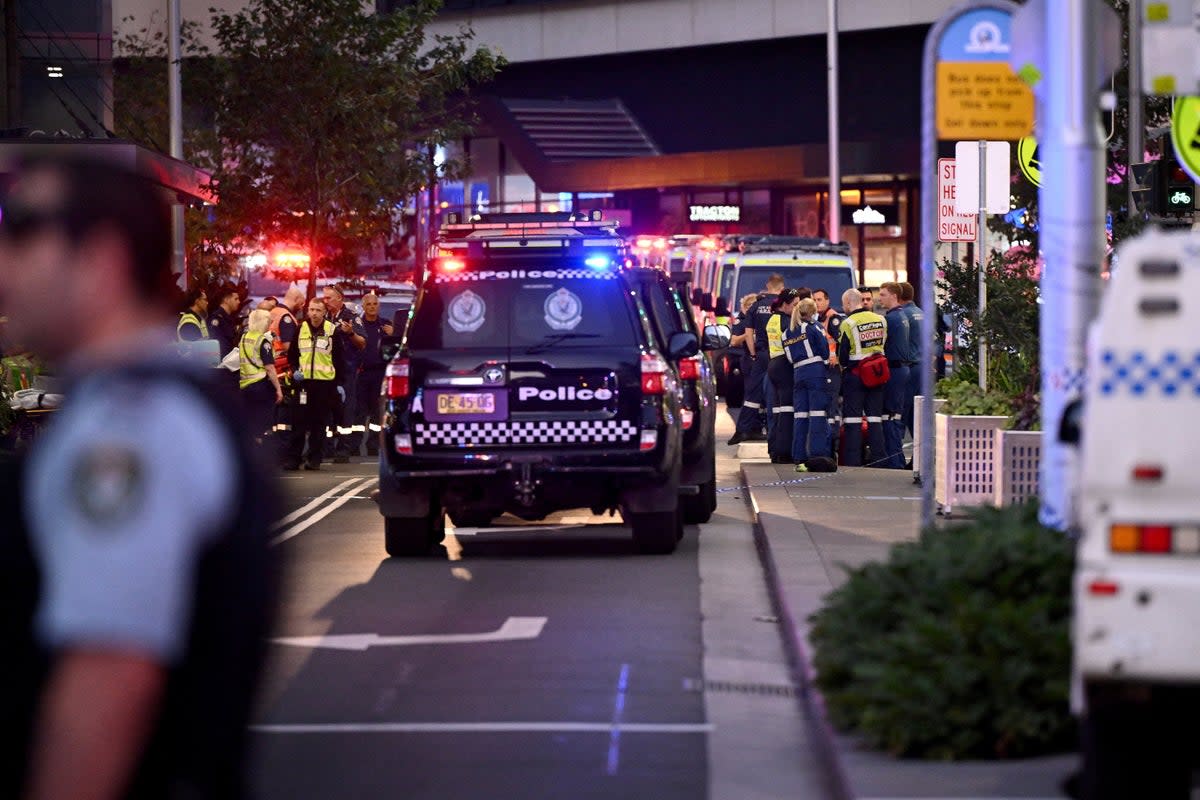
x=1147 y=472
x=654 y=374
x=688 y=418
x=648 y=441
x=689 y=369
x=1181 y=539
x=1103 y=588
x=451 y=265
x=404 y=444
x=395 y=380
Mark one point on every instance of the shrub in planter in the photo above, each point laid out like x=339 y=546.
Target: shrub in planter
x=957 y=646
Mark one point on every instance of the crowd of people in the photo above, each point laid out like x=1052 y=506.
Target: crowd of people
x=816 y=379
x=309 y=372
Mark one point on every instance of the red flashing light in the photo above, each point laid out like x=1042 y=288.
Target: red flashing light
x=291 y=259
x=395 y=380
x=451 y=265
x=645 y=244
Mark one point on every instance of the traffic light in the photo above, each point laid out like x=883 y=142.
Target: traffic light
x=1175 y=191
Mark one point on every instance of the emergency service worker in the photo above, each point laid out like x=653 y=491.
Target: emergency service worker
x=370 y=375
x=192 y=326
x=750 y=419
x=283 y=327
x=898 y=349
x=863 y=334
x=831 y=322
x=353 y=339
x=739 y=349
x=779 y=373
x=314 y=358
x=916 y=322
x=807 y=353
x=136 y=522
x=259 y=383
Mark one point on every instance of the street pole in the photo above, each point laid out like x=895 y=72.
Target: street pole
x=175 y=113
x=1071 y=199
x=981 y=256
x=1137 y=124
x=835 y=177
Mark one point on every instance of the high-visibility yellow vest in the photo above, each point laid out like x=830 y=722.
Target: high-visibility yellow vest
x=867 y=332
x=775 y=335
x=251 y=366
x=191 y=318
x=316 y=352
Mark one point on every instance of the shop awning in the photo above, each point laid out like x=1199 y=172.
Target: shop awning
x=185 y=183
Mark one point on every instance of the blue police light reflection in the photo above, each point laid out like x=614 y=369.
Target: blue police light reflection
x=598 y=262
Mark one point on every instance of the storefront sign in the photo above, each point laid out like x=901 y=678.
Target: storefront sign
x=715 y=213
x=871 y=214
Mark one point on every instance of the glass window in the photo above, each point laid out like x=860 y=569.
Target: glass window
x=832 y=280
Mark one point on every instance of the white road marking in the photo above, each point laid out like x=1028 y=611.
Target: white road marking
x=513 y=629
x=300 y=512
x=514 y=529
x=487 y=727
x=300 y=527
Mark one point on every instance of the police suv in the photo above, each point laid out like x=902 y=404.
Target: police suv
x=1135 y=634
x=531 y=379
x=744 y=269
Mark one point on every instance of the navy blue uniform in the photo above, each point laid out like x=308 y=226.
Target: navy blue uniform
x=807 y=351
x=916 y=322
x=346 y=434
x=752 y=416
x=370 y=379
x=898 y=349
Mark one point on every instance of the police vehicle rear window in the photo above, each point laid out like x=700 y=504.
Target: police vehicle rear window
x=833 y=280
x=537 y=309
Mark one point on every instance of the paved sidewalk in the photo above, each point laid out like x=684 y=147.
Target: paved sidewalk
x=813 y=524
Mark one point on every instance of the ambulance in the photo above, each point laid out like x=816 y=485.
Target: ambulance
x=1136 y=624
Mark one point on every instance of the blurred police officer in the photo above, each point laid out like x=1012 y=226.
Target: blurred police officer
x=779 y=374
x=136 y=580
x=898 y=349
x=222 y=322
x=863 y=333
x=283 y=327
x=259 y=383
x=739 y=349
x=314 y=357
x=370 y=375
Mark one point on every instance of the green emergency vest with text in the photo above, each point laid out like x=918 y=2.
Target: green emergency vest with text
x=316 y=352
x=775 y=335
x=191 y=318
x=867 y=332
x=251 y=368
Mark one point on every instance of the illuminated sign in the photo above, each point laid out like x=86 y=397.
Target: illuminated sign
x=715 y=213
x=876 y=214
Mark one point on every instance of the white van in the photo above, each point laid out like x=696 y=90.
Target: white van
x=1136 y=624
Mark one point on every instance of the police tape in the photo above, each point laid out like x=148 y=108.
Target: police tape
x=808 y=477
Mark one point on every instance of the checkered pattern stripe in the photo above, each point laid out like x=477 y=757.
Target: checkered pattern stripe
x=1171 y=373
x=558 y=274
x=572 y=431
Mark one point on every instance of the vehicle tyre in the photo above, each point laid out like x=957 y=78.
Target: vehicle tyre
x=1133 y=748
x=655 y=532
x=473 y=518
x=698 y=508
x=412 y=537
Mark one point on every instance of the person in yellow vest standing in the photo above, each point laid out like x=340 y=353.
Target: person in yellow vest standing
x=192 y=326
x=314 y=357
x=259 y=383
x=860 y=349
x=283 y=327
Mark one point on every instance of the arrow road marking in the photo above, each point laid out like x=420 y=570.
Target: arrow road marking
x=487 y=727
x=514 y=628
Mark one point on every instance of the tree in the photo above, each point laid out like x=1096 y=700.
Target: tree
x=327 y=118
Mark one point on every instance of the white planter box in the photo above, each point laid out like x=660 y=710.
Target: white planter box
x=1018 y=456
x=918 y=414
x=965 y=450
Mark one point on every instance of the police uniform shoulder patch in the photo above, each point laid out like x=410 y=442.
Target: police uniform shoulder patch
x=108 y=483
x=467 y=312
x=563 y=310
